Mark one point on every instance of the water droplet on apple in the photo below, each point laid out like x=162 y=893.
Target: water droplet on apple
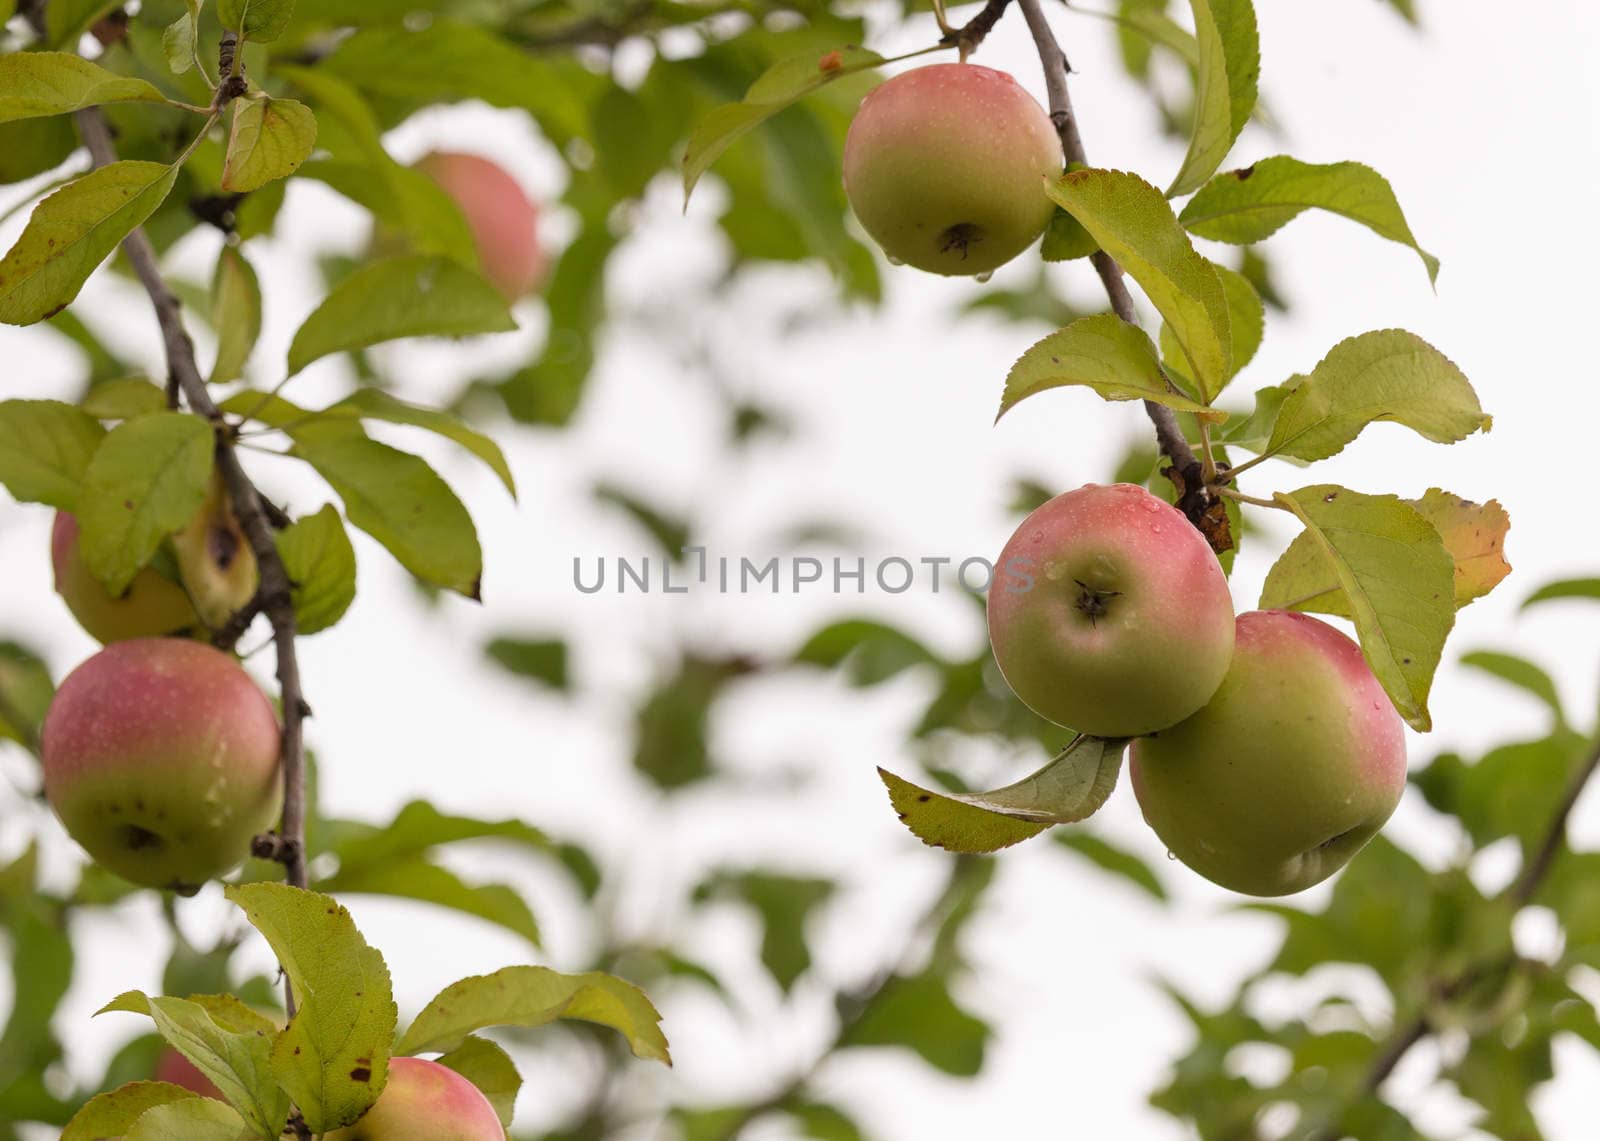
x=983 y=278
x=896 y=261
x=1170 y=856
x=1155 y=528
x=1038 y=536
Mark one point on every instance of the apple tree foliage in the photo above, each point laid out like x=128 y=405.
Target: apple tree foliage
x=146 y=123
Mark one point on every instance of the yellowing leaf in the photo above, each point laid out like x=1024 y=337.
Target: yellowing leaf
x=1475 y=536
x=1133 y=222
x=1070 y=788
x=36 y=84
x=535 y=996
x=1101 y=352
x=72 y=231
x=270 y=139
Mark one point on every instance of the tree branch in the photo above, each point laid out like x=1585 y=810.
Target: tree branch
x=249 y=506
x=1169 y=437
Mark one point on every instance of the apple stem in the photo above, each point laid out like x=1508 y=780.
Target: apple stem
x=1169 y=436
x=257 y=518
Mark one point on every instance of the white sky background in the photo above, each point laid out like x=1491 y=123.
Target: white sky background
x=1486 y=125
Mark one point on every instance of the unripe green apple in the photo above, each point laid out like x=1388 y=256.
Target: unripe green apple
x=160 y=757
x=1109 y=613
x=424 y=1101
x=1287 y=772
x=215 y=560
x=945 y=167
x=504 y=223
x=154 y=603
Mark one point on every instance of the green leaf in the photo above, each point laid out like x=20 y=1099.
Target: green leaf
x=491 y=1069
x=400 y=501
x=419 y=827
x=235 y=1057
x=235 y=314
x=429 y=883
x=73 y=231
x=37 y=84
x=123 y=398
x=538 y=659
x=1229 y=63
x=1133 y=222
x=194 y=1119
x=1103 y=353
x=259 y=20
x=780 y=85
x=917 y=1013
x=31 y=147
x=375 y=404
x=445 y=61
x=179 y=40
x=1385 y=375
x=872 y=652
x=113 y=1113
x=25 y=694
x=333 y=1058
x=784 y=903
x=45 y=448
x=1071 y=787
x=146 y=481
x=321 y=563
x=1565 y=588
x=1521 y=673
x=1112 y=859
x=269 y=141
x=1065 y=239
x=1396 y=579
x=1247 y=205
x=535 y=996
x=401 y=297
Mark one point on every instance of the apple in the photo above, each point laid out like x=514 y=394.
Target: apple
x=424 y=1101
x=160 y=757
x=174 y=1068
x=212 y=575
x=1287 y=772
x=504 y=223
x=155 y=603
x=945 y=167
x=215 y=560
x=1109 y=613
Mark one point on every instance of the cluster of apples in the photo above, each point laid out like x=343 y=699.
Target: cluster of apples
x=1265 y=752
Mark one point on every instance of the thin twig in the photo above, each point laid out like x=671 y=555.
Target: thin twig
x=1169 y=437
x=248 y=506
x=1555 y=836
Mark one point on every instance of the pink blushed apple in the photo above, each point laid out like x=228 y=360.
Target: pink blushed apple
x=945 y=167
x=160 y=757
x=1287 y=772
x=1109 y=613
x=424 y=1101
